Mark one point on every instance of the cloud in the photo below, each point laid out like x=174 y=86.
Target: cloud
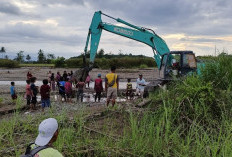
x=9 y=8
x=55 y=2
x=179 y=16
x=31 y=33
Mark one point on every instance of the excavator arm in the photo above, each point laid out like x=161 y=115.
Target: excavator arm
x=140 y=34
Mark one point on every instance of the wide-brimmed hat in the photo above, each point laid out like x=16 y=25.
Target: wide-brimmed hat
x=47 y=128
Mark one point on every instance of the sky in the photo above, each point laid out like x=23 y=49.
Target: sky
x=60 y=27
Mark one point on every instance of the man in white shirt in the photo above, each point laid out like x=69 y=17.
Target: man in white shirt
x=140 y=84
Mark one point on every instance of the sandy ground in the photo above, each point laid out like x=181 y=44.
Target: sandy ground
x=19 y=74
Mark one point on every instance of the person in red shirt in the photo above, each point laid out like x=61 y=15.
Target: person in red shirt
x=29 y=75
x=45 y=94
x=68 y=90
x=80 y=92
x=98 y=87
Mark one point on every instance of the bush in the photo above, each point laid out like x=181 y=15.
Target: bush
x=104 y=63
x=59 y=62
x=8 y=63
x=143 y=66
x=219 y=72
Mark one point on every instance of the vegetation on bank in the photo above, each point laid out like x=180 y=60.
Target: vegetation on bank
x=36 y=65
x=192 y=118
x=7 y=63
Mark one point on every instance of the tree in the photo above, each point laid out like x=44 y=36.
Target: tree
x=28 y=57
x=20 y=57
x=41 y=56
x=3 y=51
x=101 y=53
x=51 y=56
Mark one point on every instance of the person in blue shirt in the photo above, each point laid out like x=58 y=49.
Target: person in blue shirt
x=62 y=88
x=12 y=91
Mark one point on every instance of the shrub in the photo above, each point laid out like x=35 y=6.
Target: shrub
x=8 y=63
x=142 y=66
x=219 y=72
x=59 y=62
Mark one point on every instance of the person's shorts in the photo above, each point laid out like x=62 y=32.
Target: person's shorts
x=111 y=93
x=45 y=103
x=28 y=99
x=69 y=95
x=129 y=93
x=14 y=97
x=33 y=100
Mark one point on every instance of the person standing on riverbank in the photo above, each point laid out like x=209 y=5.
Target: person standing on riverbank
x=98 y=87
x=80 y=89
x=53 y=86
x=29 y=75
x=12 y=91
x=28 y=92
x=45 y=94
x=68 y=90
x=62 y=89
x=129 y=89
x=111 y=86
x=140 y=84
x=87 y=81
x=34 y=91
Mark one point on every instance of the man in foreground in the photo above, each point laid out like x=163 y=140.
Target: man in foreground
x=48 y=133
x=111 y=85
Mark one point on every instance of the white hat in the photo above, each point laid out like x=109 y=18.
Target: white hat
x=47 y=128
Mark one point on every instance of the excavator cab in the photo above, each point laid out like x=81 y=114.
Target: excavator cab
x=177 y=64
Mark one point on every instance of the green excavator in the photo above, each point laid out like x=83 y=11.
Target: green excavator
x=169 y=63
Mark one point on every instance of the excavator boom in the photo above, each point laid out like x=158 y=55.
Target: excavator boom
x=139 y=34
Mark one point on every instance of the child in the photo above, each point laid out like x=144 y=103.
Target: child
x=129 y=92
x=45 y=94
x=28 y=92
x=80 y=85
x=52 y=82
x=34 y=92
x=12 y=91
x=87 y=81
x=98 y=87
x=62 y=88
x=68 y=90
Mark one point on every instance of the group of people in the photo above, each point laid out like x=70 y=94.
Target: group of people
x=64 y=83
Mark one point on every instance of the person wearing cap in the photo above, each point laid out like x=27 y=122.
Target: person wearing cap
x=140 y=84
x=98 y=87
x=111 y=86
x=48 y=133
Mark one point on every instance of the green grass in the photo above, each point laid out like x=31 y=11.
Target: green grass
x=36 y=65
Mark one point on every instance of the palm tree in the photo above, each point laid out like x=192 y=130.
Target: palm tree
x=3 y=51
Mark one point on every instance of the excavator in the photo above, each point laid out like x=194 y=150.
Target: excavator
x=169 y=63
